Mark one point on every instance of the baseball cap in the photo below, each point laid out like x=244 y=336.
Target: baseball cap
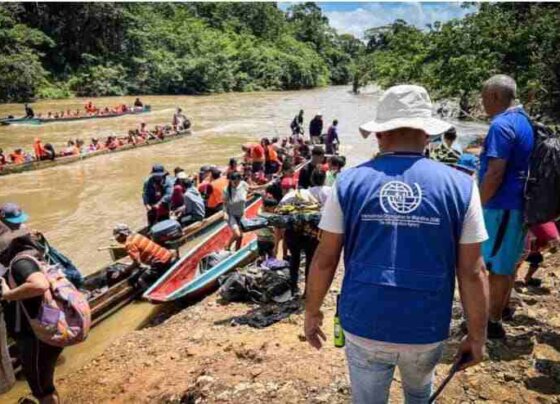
x=405 y=106
x=121 y=229
x=12 y=213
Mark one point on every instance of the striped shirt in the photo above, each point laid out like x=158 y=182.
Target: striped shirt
x=142 y=249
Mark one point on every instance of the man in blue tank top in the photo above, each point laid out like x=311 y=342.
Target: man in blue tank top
x=409 y=227
x=504 y=163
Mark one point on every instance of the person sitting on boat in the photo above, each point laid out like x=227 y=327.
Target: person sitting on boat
x=3 y=160
x=204 y=179
x=448 y=151
x=156 y=186
x=149 y=259
x=112 y=143
x=216 y=192
x=18 y=156
x=159 y=133
x=71 y=149
x=95 y=145
x=143 y=130
x=179 y=189
x=29 y=114
x=193 y=209
x=49 y=115
x=77 y=113
x=138 y=103
x=43 y=152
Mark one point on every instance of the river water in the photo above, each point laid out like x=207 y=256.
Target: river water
x=77 y=205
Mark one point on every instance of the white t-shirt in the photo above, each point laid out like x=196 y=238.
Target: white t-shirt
x=473 y=231
x=320 y=193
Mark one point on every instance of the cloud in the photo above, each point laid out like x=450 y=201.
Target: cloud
x=369 y=15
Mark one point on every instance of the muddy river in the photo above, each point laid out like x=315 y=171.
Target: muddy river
x=76 y=205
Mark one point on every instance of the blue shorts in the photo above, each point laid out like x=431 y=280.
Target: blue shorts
x=506 y=239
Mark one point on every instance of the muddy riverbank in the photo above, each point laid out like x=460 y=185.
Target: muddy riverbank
x=198 y=356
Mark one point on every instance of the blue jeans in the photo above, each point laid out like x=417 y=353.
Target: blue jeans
x=371 y=373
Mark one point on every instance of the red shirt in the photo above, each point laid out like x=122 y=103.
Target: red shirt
x=257 y=153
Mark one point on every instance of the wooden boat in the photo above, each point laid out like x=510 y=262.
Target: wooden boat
x=40 y=121
x=182 y=280
x=39 y=165
x=207 y=282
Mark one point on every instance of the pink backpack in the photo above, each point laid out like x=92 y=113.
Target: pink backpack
x=64 y=316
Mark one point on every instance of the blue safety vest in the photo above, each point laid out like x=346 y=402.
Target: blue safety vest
x=403 y=216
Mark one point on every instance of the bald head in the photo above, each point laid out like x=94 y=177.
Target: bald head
x=498 y=94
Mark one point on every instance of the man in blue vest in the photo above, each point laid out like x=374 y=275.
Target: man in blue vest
x=504 y=163
x=409 y=227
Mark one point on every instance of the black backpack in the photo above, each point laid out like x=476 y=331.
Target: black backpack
x=542 y=188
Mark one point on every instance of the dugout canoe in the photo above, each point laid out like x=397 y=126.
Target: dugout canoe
x=40 y=165
x=41 y=121
x=184 y=280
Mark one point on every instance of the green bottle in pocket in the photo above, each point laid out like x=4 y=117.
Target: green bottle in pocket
x=339 y=340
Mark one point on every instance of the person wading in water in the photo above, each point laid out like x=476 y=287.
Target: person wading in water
x=409 y=226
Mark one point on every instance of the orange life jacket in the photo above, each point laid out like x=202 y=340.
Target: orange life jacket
x=17 y=158
x=257 y=153
x=271 y=154
x=216 y=198
x=39 y=150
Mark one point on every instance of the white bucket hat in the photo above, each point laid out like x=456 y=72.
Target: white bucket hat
x=405 y=106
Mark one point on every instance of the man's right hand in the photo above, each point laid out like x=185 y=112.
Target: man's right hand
x=148 y=207
x=473 y=349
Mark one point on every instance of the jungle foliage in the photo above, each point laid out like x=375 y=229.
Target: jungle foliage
x=453 y=59
x=95 y=49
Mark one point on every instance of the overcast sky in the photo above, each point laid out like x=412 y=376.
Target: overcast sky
x=355 y=18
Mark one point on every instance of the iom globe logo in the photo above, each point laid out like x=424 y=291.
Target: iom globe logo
x=400 y=197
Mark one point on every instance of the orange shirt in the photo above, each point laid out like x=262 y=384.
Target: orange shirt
x=142 y=249
x=217 y=196
x=257 y=153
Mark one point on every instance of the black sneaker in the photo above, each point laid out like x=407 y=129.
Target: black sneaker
x=495 y=330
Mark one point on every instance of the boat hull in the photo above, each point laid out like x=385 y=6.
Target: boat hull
x=175 y=283
x=41 y=121
x=40 y=165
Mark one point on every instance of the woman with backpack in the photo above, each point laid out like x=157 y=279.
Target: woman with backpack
x=25 y=283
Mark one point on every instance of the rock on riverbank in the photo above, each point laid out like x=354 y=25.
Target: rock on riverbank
x=197 y=356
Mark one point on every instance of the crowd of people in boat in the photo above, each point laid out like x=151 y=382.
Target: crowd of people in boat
x=90 y=109
x=76 y=147
x=268 y=167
